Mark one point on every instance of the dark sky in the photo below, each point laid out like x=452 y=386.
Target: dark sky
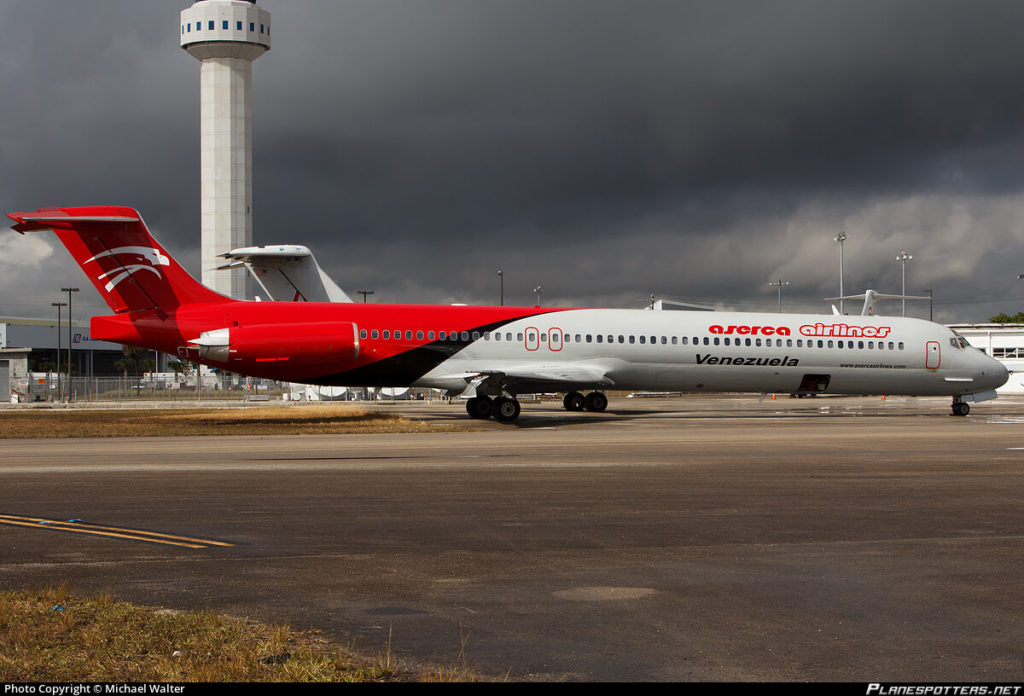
x=603 y=150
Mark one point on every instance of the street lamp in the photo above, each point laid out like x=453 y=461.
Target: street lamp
x=67 y=396
x=779 y=284
x=501 y=287
x=364 y=293
x=903 y=257
x=841 y=237
x=58 y=305
x=536 y=291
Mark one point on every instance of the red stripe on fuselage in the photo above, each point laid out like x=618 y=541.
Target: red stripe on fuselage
x=174 y=330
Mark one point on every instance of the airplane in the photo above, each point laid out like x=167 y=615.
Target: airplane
x=492 y=355
x=286 y=271
x=871 y=298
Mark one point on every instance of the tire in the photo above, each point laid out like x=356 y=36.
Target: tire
x=505 y=410
x=479 y=407
x=595 y=401
x=961 y=408
x=573 y=401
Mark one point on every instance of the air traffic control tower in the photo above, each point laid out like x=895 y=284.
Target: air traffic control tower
x=226 y=36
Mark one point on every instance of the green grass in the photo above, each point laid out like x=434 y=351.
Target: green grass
x=52 y=636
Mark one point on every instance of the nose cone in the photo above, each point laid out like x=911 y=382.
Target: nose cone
x=993 y=374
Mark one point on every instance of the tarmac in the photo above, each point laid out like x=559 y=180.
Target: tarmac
x=708 y=538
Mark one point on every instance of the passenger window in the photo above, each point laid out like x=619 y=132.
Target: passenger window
x=600 y=338
x=465 y=335
x=860 y=344
x=408 y=334
x=726 y=341
x=362 y=333
x=577 y=338
x=373 y=334
x=519 y=337
x=830 y=344
x=757 y=342
x=901 y=345
x=487 y=335
x=789 y=342
x=643 y=339
x=632 y=339
x=589 y=336
x=706 y=341
x=622 y=339
x=717 y=341
x=508 y=337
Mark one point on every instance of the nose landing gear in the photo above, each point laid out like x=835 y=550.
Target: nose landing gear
x=960 y=408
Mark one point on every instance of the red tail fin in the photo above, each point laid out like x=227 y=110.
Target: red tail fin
x=112 y=245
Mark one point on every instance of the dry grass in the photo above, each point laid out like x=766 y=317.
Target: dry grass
x=273 y=420
x=52 y=636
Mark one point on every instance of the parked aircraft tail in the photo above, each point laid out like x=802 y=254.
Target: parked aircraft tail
x=122 y=259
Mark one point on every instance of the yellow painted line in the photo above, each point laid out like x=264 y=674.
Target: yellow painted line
x=114 y=532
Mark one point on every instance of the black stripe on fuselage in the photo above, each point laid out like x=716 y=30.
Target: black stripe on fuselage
x=405 y=368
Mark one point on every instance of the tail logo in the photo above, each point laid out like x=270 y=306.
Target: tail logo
x=151 y=256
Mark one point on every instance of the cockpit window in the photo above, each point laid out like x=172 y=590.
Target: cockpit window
x=958 y=341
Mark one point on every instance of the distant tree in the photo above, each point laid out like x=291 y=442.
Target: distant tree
x=1003 y=318
x=135 y=360
x=182 y=368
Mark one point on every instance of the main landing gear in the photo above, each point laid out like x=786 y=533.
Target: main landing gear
x=594 y=401
x=504 y=409
x=960 y=408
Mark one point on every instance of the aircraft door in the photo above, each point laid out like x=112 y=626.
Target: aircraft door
x=933 y=356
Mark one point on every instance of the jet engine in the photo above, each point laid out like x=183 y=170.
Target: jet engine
x=306 y=343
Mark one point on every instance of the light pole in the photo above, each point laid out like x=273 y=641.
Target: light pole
x=58 y=305
x=67 y=395
x=779 y=284
x=841 y=237
x=501 y=287
x=364 y=293
x=536 y=291
x=903 y=257
x=931 y=305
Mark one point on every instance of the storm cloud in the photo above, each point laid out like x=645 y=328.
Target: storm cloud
x=602 y=150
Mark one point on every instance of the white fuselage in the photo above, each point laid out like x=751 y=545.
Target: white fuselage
x=726 y=351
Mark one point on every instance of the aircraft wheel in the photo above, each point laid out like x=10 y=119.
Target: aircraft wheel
x=961 y=408
x=505 y=410
x=479 y=407
x=595 y=401
x=573 y=401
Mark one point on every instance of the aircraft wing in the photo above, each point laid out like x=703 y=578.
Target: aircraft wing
x=531 y=379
